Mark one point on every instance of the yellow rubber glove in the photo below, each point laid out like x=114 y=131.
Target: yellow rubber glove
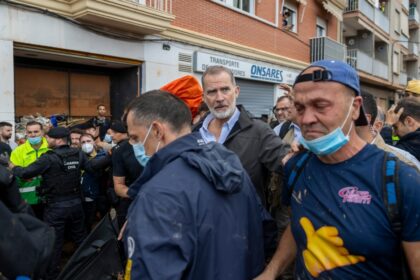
x=325 y=249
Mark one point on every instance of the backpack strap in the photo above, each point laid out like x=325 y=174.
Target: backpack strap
x=392 y=200
x=296 y=170
x=391 y=191
x=284 y=129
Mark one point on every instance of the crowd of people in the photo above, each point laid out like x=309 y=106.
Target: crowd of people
x=207 y=191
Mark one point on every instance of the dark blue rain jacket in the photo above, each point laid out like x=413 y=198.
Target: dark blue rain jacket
x=195 y=215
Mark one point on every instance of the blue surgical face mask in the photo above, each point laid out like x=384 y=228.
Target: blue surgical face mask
x=330 y=143
x=140 y=152
x=108 y=138
x=35 y=140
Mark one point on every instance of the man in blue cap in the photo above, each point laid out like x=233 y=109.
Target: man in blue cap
x=355 y=208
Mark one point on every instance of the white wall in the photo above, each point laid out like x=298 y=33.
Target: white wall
x=7 y=99
x=161 y=66
x=39 y=29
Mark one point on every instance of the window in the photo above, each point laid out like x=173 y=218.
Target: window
x=321 y=27
x=244 y=5
x=397 y=22
x=289 y=18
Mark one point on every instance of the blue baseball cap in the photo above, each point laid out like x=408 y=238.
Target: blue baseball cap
x=335 y=71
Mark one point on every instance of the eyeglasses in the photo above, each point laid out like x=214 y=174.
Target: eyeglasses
x=281 y=109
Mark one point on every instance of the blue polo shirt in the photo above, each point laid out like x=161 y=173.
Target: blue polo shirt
x=339 y=220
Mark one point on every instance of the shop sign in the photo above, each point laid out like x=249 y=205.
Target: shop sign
x=245 y=70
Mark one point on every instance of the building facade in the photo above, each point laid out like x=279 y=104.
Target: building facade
x=380 y=37
x=67 y=56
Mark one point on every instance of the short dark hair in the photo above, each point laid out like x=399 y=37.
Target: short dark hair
x=203 y=107
x=163 y=106
x=370 y=107
x=284 y=97
x=77 y=131
x=215 y=70
x=87 y=135
x=3 y=124
x=411 y=108
x=30 y=123
x=99 y=105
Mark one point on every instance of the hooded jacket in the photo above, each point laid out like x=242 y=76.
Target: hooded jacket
x=195 y=215
x=411 y=143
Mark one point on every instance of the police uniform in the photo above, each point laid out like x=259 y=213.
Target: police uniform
x=60 y=169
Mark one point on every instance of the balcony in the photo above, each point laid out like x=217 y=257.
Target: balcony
x=372 y=13
x=413 y=48
x=362 y=6
x=403 y=78
x=381 y=20
x=326 y=48
x=364 y=62
x=413 y=52
x=136 y=16
x=404 y=41
x=413 y=18
x=380 y=69
x=360 y=60
x=405 y=4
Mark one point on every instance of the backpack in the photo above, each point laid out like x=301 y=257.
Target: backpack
x=391 y=195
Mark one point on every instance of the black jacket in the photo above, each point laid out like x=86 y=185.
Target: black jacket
x=9 y=193
x=49 y=164
x=258 y=148
x=26 y=245
x=411 y=143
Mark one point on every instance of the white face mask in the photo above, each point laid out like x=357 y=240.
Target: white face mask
x=87 y=148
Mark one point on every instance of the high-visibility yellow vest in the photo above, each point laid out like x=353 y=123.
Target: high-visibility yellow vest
x=24 y=155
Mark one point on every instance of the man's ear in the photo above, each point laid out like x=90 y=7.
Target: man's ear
x=158 y=130
x=411 y=123
x=237 y=91
x=357 y=104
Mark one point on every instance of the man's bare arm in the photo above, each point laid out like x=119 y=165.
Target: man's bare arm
x=285 y=254
x=119 y=186
x=412 y=253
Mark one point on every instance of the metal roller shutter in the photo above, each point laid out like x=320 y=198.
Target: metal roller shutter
x=256 y=97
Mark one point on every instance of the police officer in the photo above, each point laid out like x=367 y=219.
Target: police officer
x=60 y=169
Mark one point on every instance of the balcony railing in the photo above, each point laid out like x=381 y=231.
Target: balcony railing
x=364 y=62
x=161 y=5
x=406 y=4
x=403 y=78
x=404 y=40
x=380 y=69
x=134 y=16
x=374 y=14
x=413 y=48
x=326 y=48
x=360 y=60
x=360 y=5
x=414 y=14
x=381 y=20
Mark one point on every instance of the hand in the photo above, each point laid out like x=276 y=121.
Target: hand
x=287 y=157
x=265 y=276
x=286 y=88
x=392 y=117
x=121 y=234
x=101 y=144
x=325 y=249
x=296 y=146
